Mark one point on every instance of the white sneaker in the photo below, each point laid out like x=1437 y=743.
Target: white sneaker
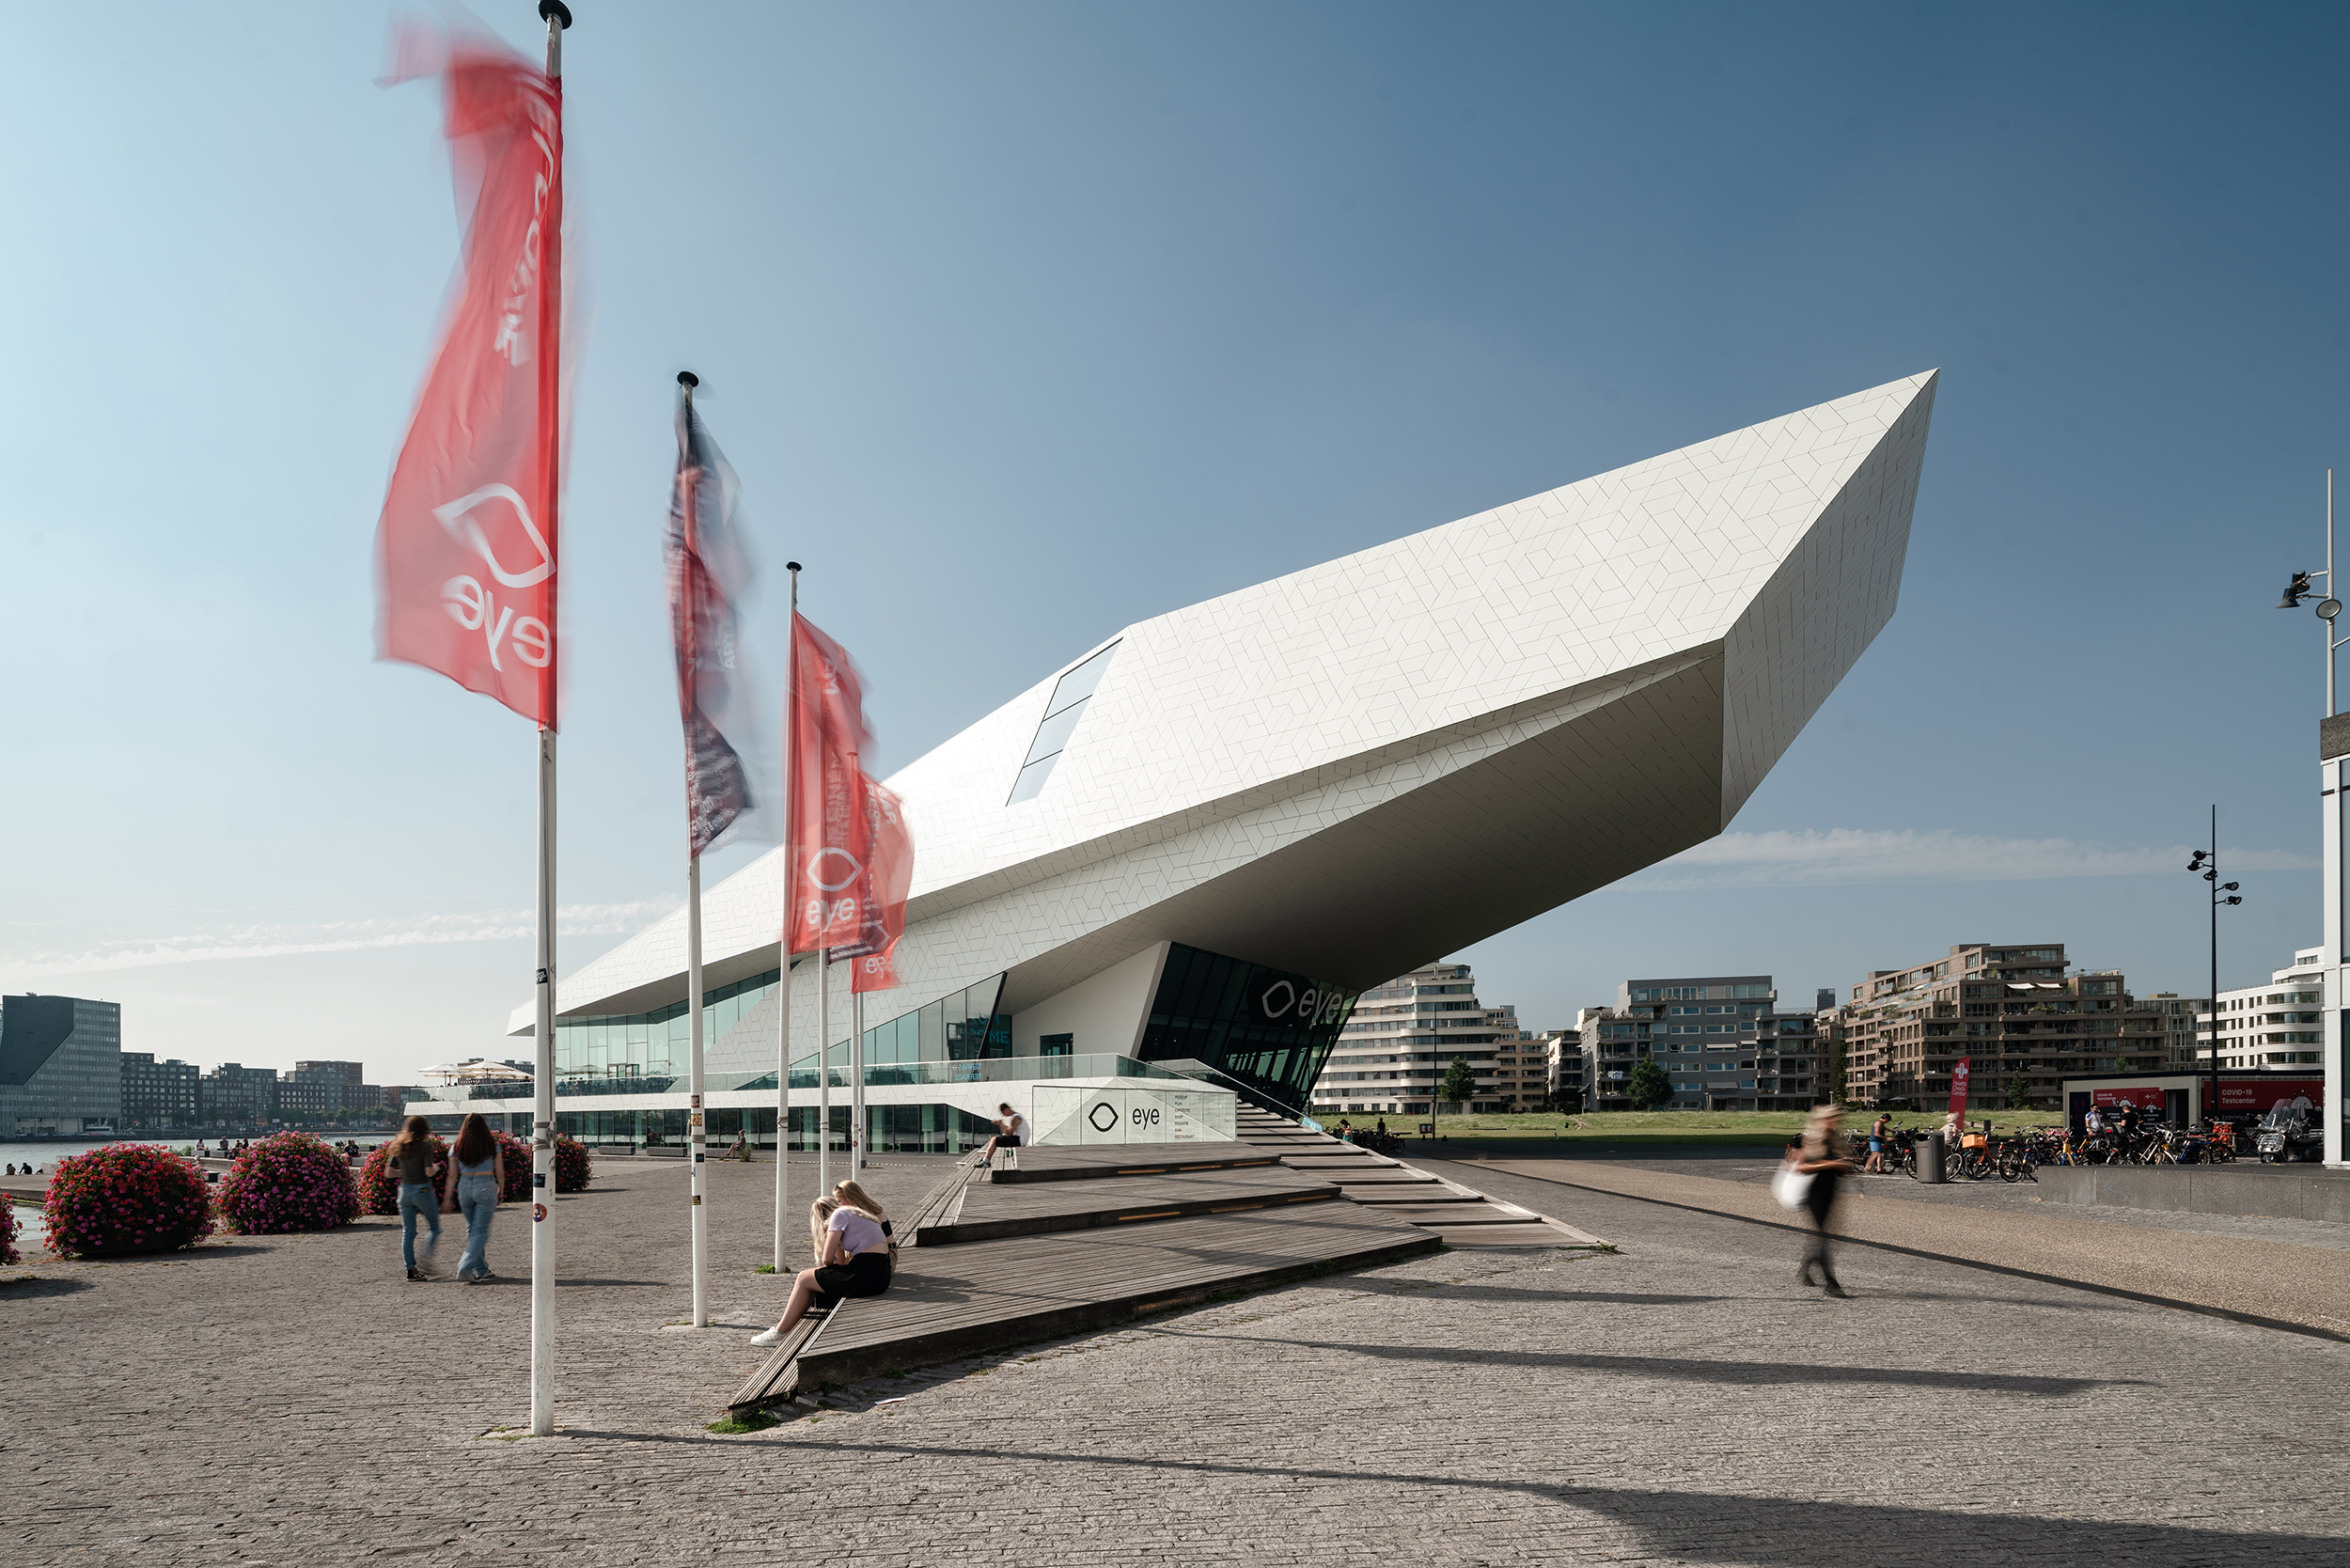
x=773 y=1337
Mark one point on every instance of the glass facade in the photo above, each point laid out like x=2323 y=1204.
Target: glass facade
x=639 y=1053
x=1265 y=1030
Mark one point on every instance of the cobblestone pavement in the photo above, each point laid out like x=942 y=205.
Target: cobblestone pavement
x=292 y=1401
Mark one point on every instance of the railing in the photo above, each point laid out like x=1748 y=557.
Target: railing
x=985 y=1070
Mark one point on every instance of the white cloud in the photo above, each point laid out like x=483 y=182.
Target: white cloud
x=1847 y=854
x=335 y=936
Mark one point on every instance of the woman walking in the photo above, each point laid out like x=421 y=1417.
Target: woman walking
x=851 y=1259
x=476 y=1174
x=1822 y=1159
x=411 y=1155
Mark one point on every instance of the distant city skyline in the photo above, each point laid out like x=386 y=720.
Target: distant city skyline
x=1021 y=326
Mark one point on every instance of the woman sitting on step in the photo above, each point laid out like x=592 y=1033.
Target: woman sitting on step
x=851 y=1259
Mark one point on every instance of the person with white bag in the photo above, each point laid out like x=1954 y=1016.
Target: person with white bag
x=1808 y=1180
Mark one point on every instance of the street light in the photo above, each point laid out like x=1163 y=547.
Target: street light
x=2222 y=894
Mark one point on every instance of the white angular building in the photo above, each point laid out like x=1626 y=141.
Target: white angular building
x=1199 y=841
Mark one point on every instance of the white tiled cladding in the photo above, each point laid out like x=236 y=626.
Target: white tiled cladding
x=1250 y=724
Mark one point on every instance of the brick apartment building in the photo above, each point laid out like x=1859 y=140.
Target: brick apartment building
x=2014 y=1012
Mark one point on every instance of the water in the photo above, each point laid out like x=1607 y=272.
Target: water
x=29 y=1229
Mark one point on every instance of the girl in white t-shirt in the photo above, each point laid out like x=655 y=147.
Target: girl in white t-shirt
x=851 y=1259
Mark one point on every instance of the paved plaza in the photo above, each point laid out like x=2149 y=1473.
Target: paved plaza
x=1681 y=1401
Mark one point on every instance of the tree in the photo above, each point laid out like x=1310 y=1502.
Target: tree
x=2018 y=1093
x=1647 y=1086
x=1460 y=1081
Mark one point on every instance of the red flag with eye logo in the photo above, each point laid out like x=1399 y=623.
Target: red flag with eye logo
x=465 y=549
x=850 y=859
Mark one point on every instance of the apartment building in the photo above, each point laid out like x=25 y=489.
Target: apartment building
x=1563 y=1077
x=239 y=1096
x=1719 y=1039
x=2274 y=1027
x=159 y=1095
x=2018 y=1014
x=1391 y=1054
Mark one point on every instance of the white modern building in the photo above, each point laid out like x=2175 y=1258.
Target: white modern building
x=2277 y=1027
x=1392 y=1054
x=1202 y=838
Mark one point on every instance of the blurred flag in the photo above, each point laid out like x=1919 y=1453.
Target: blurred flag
x=889 y=873
x=710 y=574
x=466 y=546
x=851 y=858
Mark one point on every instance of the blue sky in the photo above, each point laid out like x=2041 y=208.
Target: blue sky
x=1022 y=323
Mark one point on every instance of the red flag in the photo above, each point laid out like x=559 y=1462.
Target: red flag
x=466 y=544
x=828 y=828
x=850 y=859
x=889 y=873
x=1958 y=1087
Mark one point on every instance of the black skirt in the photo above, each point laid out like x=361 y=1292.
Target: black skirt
x=867 y=1274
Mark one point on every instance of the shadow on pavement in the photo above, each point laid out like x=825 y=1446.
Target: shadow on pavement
x=1519 y=1292
x=1715 y=1372
x=1765 y=1532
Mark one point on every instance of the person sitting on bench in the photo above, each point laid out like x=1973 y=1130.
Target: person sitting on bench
x=1010 y=1129
x=851 y=1259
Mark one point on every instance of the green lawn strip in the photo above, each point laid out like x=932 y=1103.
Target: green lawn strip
x=1674 y=1128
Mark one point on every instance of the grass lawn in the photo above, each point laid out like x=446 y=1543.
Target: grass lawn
x=1675 y=1126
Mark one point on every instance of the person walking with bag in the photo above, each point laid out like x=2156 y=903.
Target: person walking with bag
x=411 y=1155
x=1808 y=1182
x=477 y=1175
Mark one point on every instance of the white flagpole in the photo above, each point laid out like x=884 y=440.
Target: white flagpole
x=791 y=882
x=542 y=1096
x=824 y=1071
x=857 y=1079
x=696 y=1135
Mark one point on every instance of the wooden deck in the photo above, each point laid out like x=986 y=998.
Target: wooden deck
x=950 y=1302
x=1082 y=1237
x=989 y=1213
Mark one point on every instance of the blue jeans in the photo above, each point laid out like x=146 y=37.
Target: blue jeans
x=479 y=1197
x=417 y=1198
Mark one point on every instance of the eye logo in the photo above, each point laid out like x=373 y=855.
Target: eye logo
x=458 y=518
x=817 y=859
x=1102 y=1108
x=1288 y=1000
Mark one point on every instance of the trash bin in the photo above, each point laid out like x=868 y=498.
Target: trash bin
x=1929 y=1153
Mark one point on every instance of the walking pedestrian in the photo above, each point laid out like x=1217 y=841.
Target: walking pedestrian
x=477 y=1175
x=411 y=1155
x=1822 y=1159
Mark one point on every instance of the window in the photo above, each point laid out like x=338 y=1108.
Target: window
x=1070 y=695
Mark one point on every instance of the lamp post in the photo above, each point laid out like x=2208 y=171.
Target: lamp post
x=2207 y=862
x=2332 y=746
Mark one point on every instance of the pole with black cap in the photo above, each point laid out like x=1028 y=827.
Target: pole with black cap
x=696 y=1130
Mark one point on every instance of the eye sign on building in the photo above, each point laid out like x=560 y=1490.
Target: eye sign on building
x=1068 y=1114
x=1297 y=1003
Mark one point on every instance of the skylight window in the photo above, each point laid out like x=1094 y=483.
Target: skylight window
x=1070 y=695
